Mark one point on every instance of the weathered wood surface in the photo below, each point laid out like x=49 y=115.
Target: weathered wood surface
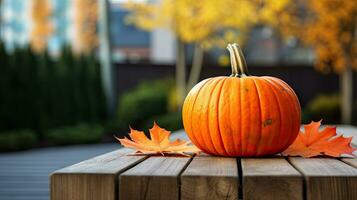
x=350 y=161
x=119 y=176
x=210 y=178
x=327 y=178
x=155 y=178
x=92 y=179
x=271 y=178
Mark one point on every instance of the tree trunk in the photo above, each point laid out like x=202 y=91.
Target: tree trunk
x=196 y=67
x=347 y=95
x=105 y=56
x=180 y=73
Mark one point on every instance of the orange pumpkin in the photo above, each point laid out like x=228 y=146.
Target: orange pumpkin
x=241 y=115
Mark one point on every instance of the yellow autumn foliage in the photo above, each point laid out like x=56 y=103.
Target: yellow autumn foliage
x=332 y=33
x=85 y=22
x=328 y=26
x=206 y=22
x=42 y=28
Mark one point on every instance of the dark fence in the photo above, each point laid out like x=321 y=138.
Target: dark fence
x=306 y=81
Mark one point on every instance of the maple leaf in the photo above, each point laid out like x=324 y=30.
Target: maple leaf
x=159 y=143
x=313 y=142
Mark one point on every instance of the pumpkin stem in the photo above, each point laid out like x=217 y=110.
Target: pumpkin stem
x=234 y=66
x=238 y=64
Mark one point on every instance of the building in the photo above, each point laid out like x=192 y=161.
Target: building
x=130 y=44
x=15 y=22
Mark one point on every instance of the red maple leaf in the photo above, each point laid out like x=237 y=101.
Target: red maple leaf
x=313 y=142
x=158 y=144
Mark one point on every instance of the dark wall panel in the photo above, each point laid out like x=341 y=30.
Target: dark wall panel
x=305 y=80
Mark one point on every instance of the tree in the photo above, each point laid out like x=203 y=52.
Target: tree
x=203 y=23
x=42 y=28
x=85 y=23
x=105 y=55
x=329 y=26
x=89 y=14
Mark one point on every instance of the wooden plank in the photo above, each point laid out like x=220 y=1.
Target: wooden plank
x=327 y=178
x=155 y=178
x=350 y=161
x=271 y=178
x=208 y=177
x=92 y=179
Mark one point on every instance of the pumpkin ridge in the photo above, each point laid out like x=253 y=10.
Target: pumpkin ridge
x=275 y=87
x=246 y=115
x=186 y=111
x=261 y=117
x=190 y=113
x=206 y=114
x=218 y=123
x=231 y=82
x=206 y=144
x=278 y=98
x=240 y=105
x=272 y=88
x=291 y=95
x=218 y=150
x=250 y=128
x=237 y=139
x=295 y=107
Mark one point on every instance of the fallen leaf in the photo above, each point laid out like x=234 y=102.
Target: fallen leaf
x=313 y=142
x=159 y=143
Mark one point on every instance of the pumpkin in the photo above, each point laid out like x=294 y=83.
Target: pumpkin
x=241 y=115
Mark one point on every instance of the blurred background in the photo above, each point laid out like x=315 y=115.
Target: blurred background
x=76 y=72
x=79 y=71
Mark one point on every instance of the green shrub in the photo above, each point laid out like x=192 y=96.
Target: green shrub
x=324 y=106
x=17 y=140
x=148 y=100
x=169 y=121
x=40 y=92
x=79 y=134
x=115 y=127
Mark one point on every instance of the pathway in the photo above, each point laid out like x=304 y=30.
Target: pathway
x=25 y=175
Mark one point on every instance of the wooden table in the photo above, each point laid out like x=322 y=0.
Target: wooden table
x=117 y=175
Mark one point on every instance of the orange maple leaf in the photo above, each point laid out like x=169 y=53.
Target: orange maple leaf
x=314 y=142
x=159 y=143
